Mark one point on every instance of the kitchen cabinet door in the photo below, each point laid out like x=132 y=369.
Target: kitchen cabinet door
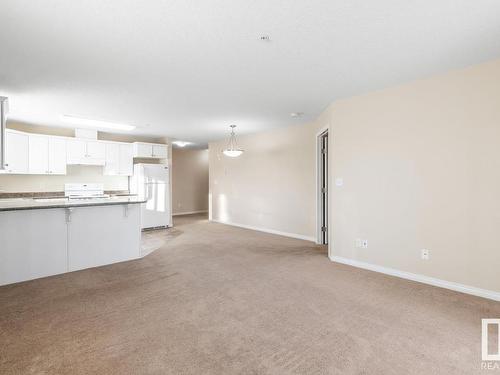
x=57 y=155
x=76 y=151
x=160 y=151
x=96 y=150
x=16 y=153
x=143 y=150
x=85 y=152
x=112 y=166
x=126 y=160
x=38 y=154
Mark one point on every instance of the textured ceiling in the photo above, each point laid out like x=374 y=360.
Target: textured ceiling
x=189 y=68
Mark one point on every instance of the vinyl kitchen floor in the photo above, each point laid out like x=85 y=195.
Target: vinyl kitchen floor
x=215 y=299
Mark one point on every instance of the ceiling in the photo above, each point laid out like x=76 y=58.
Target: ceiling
x=188 y=69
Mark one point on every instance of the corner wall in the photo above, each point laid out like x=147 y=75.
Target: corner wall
x=421 y=169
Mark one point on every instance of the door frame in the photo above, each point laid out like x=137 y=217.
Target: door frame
x=320 y=132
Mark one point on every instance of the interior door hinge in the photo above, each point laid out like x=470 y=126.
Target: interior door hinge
x=323 y=229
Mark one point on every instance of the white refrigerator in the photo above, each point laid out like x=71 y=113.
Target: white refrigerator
x=152 y=181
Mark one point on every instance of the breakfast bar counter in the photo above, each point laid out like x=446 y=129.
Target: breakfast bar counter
x=14 y=204
x=43 y=237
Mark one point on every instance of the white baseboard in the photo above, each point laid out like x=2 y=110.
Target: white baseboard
x=420 y=278
x=272 y=231
x=190 y=212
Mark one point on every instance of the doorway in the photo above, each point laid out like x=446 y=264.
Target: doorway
x=322 y=188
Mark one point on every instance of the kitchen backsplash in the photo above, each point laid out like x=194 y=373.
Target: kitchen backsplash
x=38 y=194
x=75 y=173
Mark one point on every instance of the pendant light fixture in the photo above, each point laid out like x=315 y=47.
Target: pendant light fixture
x=232 y=149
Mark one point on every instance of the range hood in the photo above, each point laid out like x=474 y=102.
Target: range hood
x=3 y=118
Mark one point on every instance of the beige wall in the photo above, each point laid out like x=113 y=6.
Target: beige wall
x=421 y=169
x=189 y=180
x=75 y=173
x=271 y=186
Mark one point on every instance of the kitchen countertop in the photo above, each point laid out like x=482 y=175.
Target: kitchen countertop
x=15 y=204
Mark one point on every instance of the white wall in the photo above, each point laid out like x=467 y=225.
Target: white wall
x=421 y=169
x=189 y=180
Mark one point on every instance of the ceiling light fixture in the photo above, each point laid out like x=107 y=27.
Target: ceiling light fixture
x=232 y=149
x=296 y=114
x=95 y=123
x=181 y=143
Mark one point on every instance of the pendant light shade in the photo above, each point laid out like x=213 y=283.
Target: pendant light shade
x=232 y=149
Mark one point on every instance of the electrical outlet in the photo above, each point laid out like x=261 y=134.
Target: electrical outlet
x=425 y=254
x=364 y=244
x=358 y=242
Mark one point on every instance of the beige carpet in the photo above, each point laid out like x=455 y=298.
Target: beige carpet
x=216 y=299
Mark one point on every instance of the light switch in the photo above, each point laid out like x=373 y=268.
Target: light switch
x=424 y=253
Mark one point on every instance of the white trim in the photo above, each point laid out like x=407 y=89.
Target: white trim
x=420 y=278
x=323 y=129
x=190 y=212
x=272 y=231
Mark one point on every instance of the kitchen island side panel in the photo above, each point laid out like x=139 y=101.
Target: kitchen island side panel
x=33 y=244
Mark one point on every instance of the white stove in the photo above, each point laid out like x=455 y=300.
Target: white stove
x=84 y=191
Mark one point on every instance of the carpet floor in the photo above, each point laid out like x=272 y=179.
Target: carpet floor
x=215 y=299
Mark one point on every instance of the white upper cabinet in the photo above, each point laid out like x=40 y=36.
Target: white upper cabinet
x=150 y=150
x=119 y=159
x=16 y=152
x=76 y=151
x=29 y=153
x=81 y=151
x=57 y=155
x=96 y=151
x=160 y=151
x=38 y=154
x=126 y=160
x=47 y=155
x=112 y=166
x=143 y=150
